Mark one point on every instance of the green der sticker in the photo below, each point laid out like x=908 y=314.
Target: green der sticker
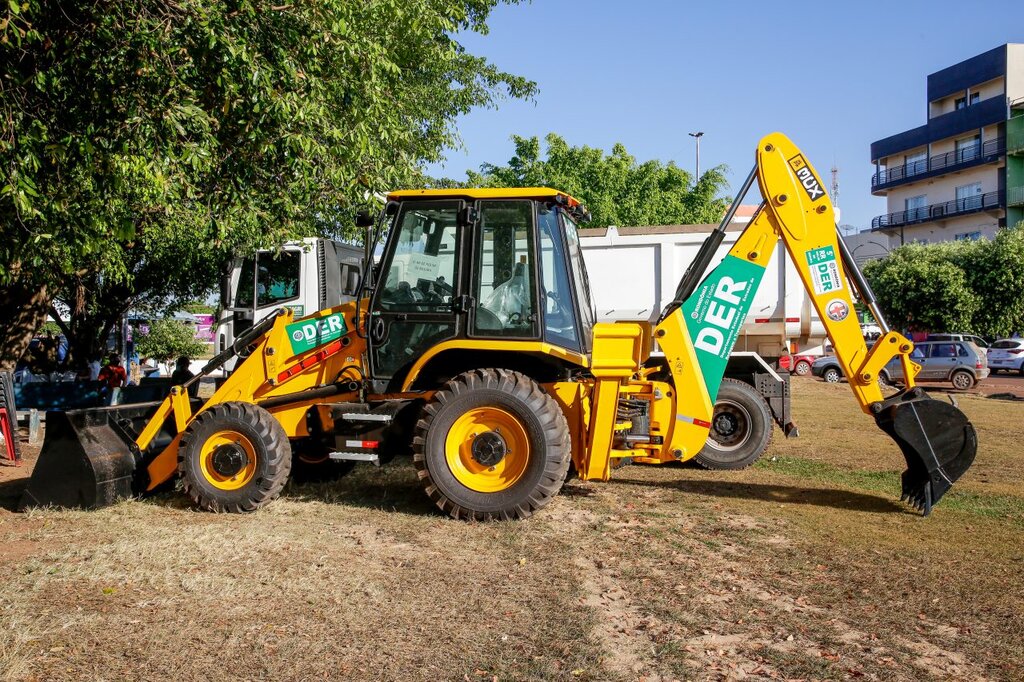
x=308 y=334
x=715 y=312
x=824 y=270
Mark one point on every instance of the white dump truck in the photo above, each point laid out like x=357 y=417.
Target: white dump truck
x=633 y=273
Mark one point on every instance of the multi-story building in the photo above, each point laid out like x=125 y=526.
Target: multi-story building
x=961 y=174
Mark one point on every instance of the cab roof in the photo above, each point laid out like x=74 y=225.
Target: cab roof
x=484 y=193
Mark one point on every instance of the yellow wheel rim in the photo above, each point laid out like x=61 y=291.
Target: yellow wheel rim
x=228 y=460
x=468 y=469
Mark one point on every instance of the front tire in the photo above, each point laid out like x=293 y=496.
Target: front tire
x=491 y=444
x=741 y=428
x=234 y=457
x=803 y=368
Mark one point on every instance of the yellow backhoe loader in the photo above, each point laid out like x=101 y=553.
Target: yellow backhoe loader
x=473 y=345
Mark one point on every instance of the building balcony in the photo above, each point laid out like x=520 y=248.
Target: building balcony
x=1015 y=135
x=913 y=216
x=1015 y=196
x=988 y=152
x=985 y=113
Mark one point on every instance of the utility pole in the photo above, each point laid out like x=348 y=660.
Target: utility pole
x=697 y=137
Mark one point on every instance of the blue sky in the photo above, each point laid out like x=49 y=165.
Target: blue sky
x=833 y=76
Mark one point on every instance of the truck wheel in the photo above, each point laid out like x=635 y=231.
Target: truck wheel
x=831 y=375
x=235 y=457
x=741 y=428
x=962 y=380
x=491 y=444
x=803 y=368
x=311 y=462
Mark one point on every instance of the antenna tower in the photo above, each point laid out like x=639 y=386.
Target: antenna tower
x=834 y=194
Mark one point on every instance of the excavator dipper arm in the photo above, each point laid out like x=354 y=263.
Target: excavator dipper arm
x=699 y=328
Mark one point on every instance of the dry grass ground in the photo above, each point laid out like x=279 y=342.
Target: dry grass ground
x=805 y=566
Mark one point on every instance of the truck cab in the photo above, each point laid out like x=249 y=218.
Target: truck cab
x=305 y=276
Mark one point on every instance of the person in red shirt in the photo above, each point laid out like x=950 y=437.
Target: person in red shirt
x=113 y=375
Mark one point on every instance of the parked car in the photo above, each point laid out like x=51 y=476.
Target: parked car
x=976 y=340
x=961 y=363
x=827 y=367
x=1006 y=355
x=798 y=364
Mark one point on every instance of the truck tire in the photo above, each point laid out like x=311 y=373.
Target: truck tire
x=741 y=428
x=235 y=457
x=491 y=444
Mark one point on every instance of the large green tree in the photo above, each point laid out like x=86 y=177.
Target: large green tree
x=616 y=188
x=145 y=141
x=963 y=286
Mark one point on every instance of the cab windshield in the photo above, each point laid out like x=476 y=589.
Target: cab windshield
x=580 y=280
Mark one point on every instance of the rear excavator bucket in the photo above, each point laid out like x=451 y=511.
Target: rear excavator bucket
x=89 y=458
x=937 y=441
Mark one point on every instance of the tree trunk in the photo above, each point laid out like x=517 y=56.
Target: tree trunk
x=23 y=310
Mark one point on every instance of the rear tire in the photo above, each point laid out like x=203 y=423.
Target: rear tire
x=803 y=368
x=235 y=457
x=962 y=380
x=741 y=428
x=831 y=375
x=491 y=444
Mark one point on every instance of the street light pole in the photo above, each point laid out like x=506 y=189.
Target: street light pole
x=697 y=137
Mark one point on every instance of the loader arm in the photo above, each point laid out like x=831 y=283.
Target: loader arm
x=698 y=329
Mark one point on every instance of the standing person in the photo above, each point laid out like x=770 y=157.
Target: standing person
x=113 y=375
x=181 y=372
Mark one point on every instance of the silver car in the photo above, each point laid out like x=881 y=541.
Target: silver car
x=1006 y=355
x=961 y=363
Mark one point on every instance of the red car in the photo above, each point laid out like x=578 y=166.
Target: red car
x=801 y=364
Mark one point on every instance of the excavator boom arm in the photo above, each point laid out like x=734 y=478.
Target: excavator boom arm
x=698 y=329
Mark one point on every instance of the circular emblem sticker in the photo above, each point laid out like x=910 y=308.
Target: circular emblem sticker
x=297 y=335
x=837 y=310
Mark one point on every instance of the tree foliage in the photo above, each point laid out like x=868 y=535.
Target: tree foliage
x=616 y=188
x=169 y=339
x=964 y=286
x=153 y=139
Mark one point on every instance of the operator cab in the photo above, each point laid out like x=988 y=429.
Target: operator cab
x=479 y=264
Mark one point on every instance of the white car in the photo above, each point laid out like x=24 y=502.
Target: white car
x=1006 y=355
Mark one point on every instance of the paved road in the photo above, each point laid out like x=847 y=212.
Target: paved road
x=994 y=384
x=1002 y=383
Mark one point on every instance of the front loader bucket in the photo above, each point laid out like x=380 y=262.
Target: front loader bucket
x=937 y=441
x=84 y=462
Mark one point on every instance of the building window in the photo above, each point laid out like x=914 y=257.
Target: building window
x=968 y=197
x=916 y=163
x=916 y=208
x=968 y=148
x=964 y=102
x=969 y=236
